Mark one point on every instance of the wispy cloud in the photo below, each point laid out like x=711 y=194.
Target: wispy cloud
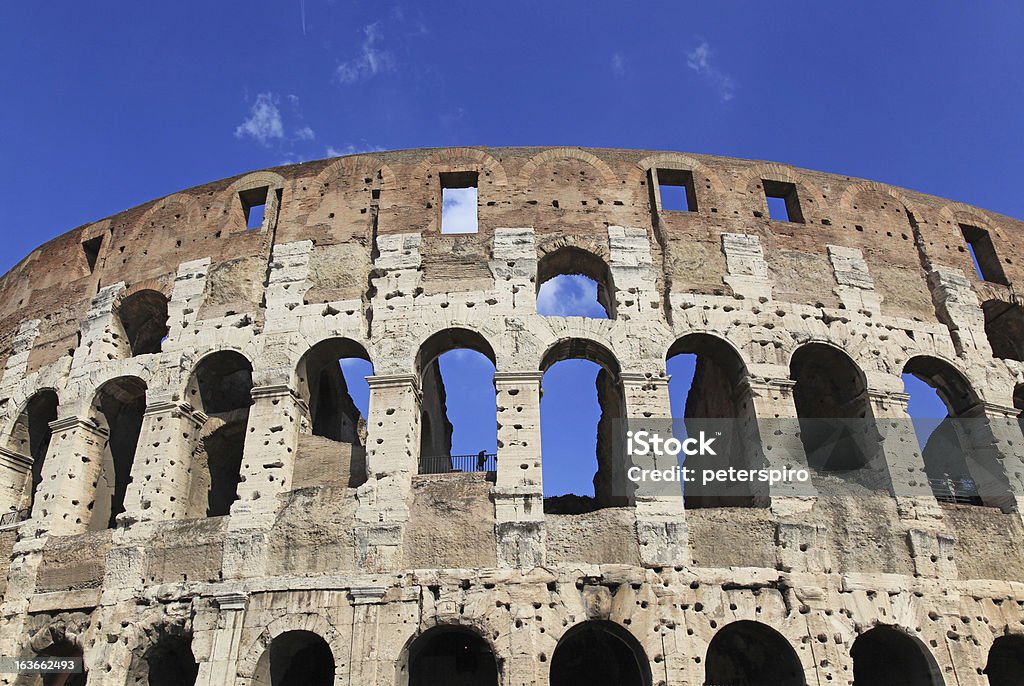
x=305 y=134
x=618 y=65
x=264 y=122
x=350 y=149
x=699 y=60
x=372 y=59
x=458 y=211
x=569 y=296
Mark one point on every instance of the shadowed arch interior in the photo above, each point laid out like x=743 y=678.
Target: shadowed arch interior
x=449 y=655
x=168 y=661
x=749 y=653
x=598 y=653
x=718 y=401
x=573 y=261
x=886 y=656
x=118 y=407
x=1004 y=328
x=31 y=438
x=1006 y=661
x=143 y=316
x=296 y=658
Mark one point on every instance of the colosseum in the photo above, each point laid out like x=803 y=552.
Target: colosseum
x=191 y=496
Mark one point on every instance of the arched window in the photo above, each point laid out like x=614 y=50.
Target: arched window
x=63 y=647
x=572 y=282
x=709 y=390
x=599 y=652
x=296 y=658
x=886 y=656
x=458 y=413
x=118 y=407
x=449 y=655
x=951 y=434
x=1004 y=327
x=168 y=661
x=747 y=652
x=332 y=382
x=143 y=316
x=31 y=438
x=1006 y=661
x=836 y=424
x=221 y=386
x=582 y=398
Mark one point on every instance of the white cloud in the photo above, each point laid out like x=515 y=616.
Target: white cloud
x=371 y=61
x=569 y=295
x=264 y=121
x=305 y=134
x=350 y=149
x=458 y=213
x=618 y=64
x=699 y=60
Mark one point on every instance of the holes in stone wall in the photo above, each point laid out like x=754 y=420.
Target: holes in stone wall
x=572 y=282
x=459 y=202
x=451 y=655
x=143 y=316
x=783 y=201
x=31 y=438
x=117 y=407
x=221 y=386
x=886 y=656
x=296 y=658
x=748 y=652
x=600 y=652
x=983 y=254
x=582 y=396
x=458 y=411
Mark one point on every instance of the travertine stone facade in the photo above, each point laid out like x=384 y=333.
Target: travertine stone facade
x=343 y=537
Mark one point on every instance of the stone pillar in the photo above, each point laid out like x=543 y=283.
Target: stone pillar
x=70 y=472
x=392 y=454
x=15 y=480
x=991 y=432
x=779 y=429
x=268 y=461
x=660 y=520
x=223 y=641
x=519 y=492
x=161 y=472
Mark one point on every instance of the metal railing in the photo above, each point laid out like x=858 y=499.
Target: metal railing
x=446 y=464
x=9 y=519
x=955 y=491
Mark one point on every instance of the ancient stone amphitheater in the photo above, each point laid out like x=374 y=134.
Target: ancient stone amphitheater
x=191 y=495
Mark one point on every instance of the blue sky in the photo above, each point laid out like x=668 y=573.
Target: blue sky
x=111 y=104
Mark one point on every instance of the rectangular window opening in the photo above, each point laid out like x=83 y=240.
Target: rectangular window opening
x=676 y=190
x=91 y=248
x=254 y=205
x=459 y=202
x=983 y=254
x=783 y=203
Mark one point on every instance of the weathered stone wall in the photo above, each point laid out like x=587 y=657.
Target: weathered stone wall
x=348 y=542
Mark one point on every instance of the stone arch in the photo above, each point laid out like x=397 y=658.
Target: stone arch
x=462 y=159
x=599 y=651
x=710 y=185
x=184 y=205
x=255 y=668
x=888 y=656
x=957 y=213
x=356 y=165
x=162 y=655
x=257 y=179
x=837 y=425
x=1005 y=660
x=57 y=636
x=554 y=154
x=746 y=651
x=117 y=408
x=750 y=181
x=30 y=438
x=448 y=654
x=220 y=387
x=142 y=311
x=720 y=402
x=570 y=260
x=1004 y=328
x=848 y=197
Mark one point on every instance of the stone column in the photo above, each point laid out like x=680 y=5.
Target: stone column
x=991 y=432
x=70 y=472
x=519 y=492
x=902 y=455
x=660 y=521
x=161 y=472
x=268 y=460
x=222 y=642
x=392 y=454
x=779 y=431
